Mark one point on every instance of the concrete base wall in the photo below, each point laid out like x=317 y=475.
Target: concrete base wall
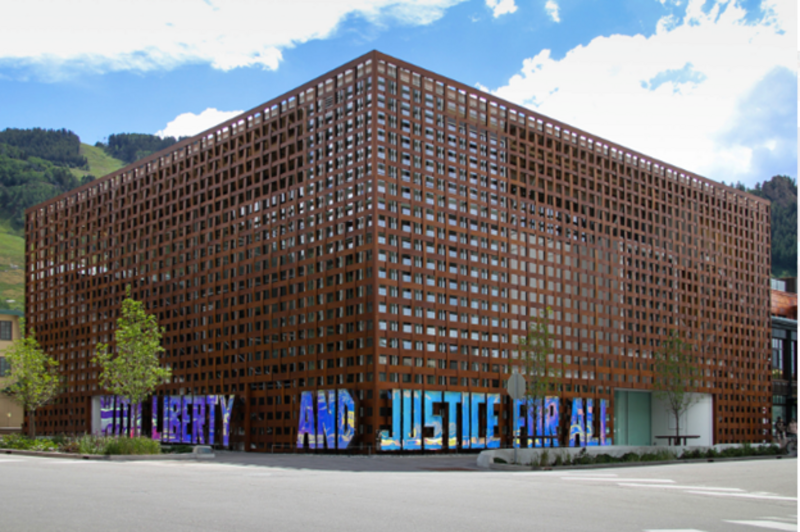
x=529 y=456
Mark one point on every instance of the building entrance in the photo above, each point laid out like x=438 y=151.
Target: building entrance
x=632 y=418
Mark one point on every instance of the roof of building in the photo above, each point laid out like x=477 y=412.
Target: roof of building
x=783 y=304
x=10 y=312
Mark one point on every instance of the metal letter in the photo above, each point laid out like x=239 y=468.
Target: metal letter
x=306 y=422
x=391 y=442
x=412 y=420
x=326 y=426
x=211 y=401
x=227 y=408
x=452 y=399
x=475 y=441
x=434 y=421
x=346 y=415
x=198 y=420
x=492 y=439
x=186 y=419
x=577 y=423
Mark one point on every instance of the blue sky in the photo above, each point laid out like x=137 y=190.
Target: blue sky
x=710 y=86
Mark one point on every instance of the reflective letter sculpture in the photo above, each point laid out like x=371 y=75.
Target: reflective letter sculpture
x=412 y=428
x=475 y=441
x=346 y=415
x=577 y=423
x=173 y=423
x=551 y=417
x=186 y=419
x=106 y=415
x=452 y=399
x=227 y=408
x=590 y=438
x=326 y=428
x=492 y=439
x=306 y=423
x=154 y=420
x=198 y=420
x=517 y=421
x=122 y=417
x=431 y=420
x=465 y=419
x=392 y=442
x=211 y=401
x=603 y=407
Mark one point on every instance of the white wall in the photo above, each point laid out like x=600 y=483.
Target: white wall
x=697 y=420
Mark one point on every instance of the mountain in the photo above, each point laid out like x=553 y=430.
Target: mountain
x=36 y=165
x=782 y=192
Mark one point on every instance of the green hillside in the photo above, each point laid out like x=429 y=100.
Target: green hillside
x=36 y=165
x=100 y=163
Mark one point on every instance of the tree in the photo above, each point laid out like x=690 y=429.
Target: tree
x=131 y=369
x=676 y=376
x=35 y=379
x=535 y=350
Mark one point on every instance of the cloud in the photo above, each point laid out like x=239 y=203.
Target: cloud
x=141 y=35
x=677 y=94
x=189 y=124
x=501 y=7
x=551 y=7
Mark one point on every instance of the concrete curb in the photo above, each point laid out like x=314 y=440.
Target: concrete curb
x=515 y=467
x=114 y=458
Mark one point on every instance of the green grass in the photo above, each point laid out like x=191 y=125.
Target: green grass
x=100 y=163
x=12 y=241
x=12 y=266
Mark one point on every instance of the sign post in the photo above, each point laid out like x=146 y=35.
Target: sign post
x=516 y=390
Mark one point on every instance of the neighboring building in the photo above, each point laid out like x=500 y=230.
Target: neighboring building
x=11 y=414
x=383 y=227
x=784 y=348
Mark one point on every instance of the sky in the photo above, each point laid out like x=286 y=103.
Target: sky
x=707 y=85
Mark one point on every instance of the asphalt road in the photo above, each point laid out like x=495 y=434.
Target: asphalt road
x=293 y=493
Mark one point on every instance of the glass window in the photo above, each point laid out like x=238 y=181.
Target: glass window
x=5 y=330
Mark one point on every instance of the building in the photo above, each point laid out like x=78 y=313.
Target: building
x=383 y=228
x=784 y=348
x=11 y=414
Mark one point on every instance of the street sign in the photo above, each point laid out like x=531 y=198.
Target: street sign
x=516 y=386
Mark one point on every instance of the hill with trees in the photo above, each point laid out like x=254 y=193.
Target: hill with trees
x=781 y=190
x=130 y=147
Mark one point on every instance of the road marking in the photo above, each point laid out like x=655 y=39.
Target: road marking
x=673 y=530
x=772 y=525
x=615 y=479
x=9 y=460
x=676 y=487
x=746 y=496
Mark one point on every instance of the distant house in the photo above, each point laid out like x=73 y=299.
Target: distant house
x=11 y=414
x=784 y=348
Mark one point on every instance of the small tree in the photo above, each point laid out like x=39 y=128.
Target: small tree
x=34 y=375
x=675 y=376
x=131 y=369
x=535 y=349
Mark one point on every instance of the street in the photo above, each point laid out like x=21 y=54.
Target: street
x=363 y=494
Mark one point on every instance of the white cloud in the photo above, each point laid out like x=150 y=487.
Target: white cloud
x=501 y=7
x=152 y=34
x=674 y=95
x=189 y=124
x=551 y=7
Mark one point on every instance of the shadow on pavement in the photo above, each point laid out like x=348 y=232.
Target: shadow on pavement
x=356 y=463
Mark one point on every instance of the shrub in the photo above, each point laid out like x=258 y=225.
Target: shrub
x=21 y=442
x=138 y=445
x=499 y=461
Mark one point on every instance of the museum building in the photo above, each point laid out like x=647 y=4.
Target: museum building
x=384 y=235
